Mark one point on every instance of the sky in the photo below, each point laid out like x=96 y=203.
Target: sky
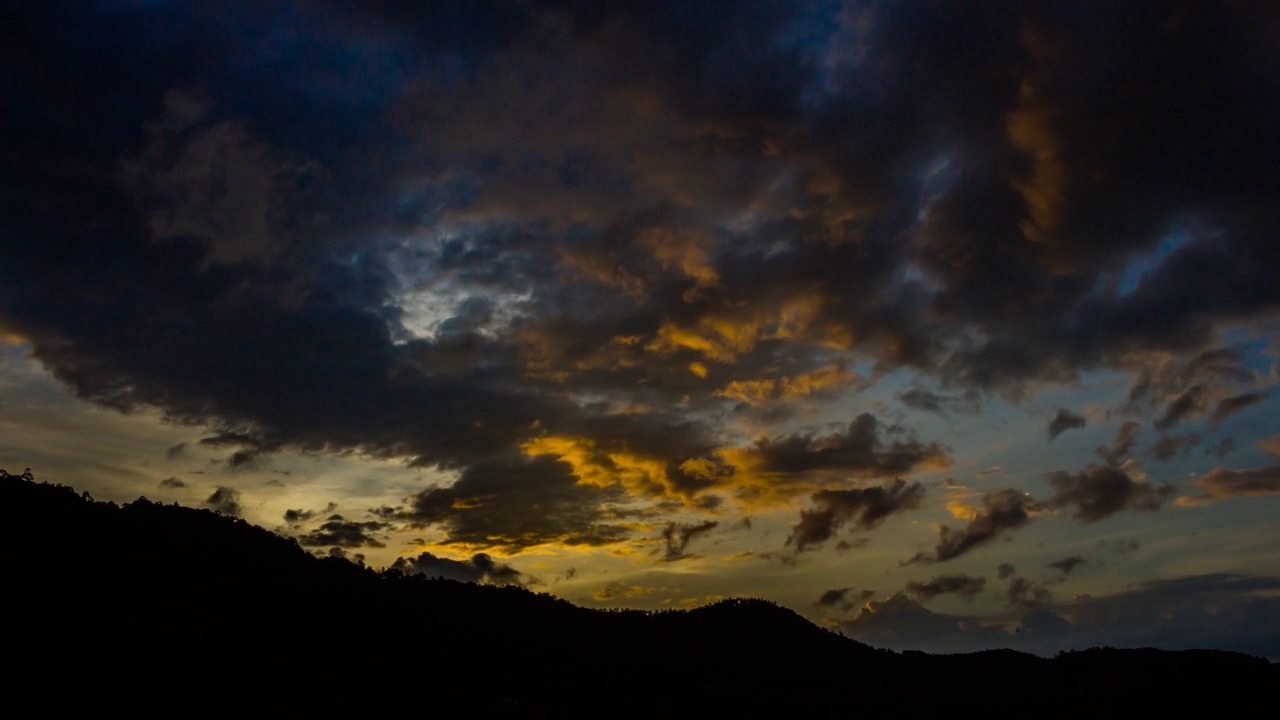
x=946 y=325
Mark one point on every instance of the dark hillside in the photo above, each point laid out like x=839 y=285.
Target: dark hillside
x=158 y=608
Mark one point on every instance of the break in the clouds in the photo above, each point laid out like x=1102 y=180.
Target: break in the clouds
x=566 y=274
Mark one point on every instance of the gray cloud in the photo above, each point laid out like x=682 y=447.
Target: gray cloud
x=845 y=598
x=1221 y=448
x=337 y=531
x=1122 y=447
x=1065 y=420
x=1227 y=407
x=677 y=536
x=962 y=585
x=1067 y=564
x=864 y=507
x=859 y=451
x=1002 y=511
x=1100 y=491
x=489 y=506
x=479 y=568
x=1024 y=594
x=1186 y=387
x=919 y=398
x=1170 y=446
x=1223 y=484
x=224 y=500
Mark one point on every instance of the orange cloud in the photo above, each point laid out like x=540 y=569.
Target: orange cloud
x=687 y=252
x=1031 y=130
x=722 y=337
x=1222 y=484
x=1271 y=444
x=601 y=467
x=764 y=390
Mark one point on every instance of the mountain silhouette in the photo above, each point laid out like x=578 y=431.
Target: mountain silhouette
x=147 y=608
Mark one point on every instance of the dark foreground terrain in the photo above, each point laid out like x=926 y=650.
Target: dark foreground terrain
x=162 y=609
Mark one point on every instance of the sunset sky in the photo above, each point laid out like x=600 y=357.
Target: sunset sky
x=947 y=324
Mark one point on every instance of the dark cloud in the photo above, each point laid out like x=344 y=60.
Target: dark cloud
x=1187 y=387
x=833 y=597
x=176 y=451
x=1065 y=420
x=1191 y=402
x=1227 y=407
x=843 y=598
x=863 y=507
x=676 y=537
x=1169 y=446
x=919 y=398
x=1121 y=546
x=1126 y=439
x=1005 y=570
x=245 y=460
x=1067 y=564
x=1223 y=484
x=296 y=517
x=1100 y=491
x=920 y=558
x=480 y=568
x=858 y=451
x=1023 y=593
x=1221 y=448
x=962 y=585
x=172 y=482
x=1002 y=511
x=490 y=505
x=337 y=531
x=998 y=159
x=224 y=500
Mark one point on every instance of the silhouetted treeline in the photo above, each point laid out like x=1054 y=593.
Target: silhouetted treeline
x=154 y=608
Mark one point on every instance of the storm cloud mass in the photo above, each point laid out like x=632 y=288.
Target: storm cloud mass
x=597 y=278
